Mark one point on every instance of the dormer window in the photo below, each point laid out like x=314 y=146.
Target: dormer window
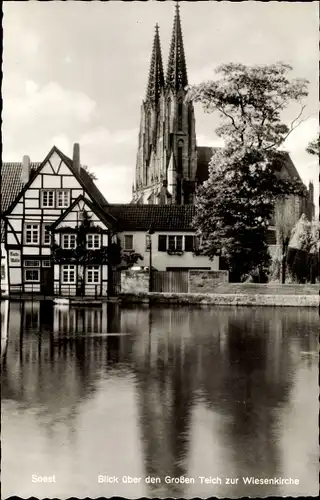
x=128 y=242
x=93 y=241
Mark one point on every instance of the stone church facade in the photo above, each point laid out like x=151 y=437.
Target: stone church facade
x=166 y=167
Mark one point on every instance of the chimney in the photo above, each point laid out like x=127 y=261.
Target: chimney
x=26 y=168
x=76 y=157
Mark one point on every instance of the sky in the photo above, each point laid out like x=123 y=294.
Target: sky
x=77 y=72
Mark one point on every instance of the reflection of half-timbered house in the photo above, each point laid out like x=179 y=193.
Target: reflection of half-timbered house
x=46 y=194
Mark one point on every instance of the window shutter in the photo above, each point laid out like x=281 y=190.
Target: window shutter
x=162 y=243
x=196 y=243
x=188 y=244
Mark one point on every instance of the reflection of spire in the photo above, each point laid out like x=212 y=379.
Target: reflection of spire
x=177 y=70
x=156 y=78
x=165 y=393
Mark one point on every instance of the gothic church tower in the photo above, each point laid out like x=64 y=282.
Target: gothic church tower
x=167 y=157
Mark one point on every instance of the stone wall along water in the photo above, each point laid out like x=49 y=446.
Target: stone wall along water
x=134 y=282
x=206 y=281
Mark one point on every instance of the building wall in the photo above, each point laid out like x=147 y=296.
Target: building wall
x=162 y=260
x=54 y=176
x=4 y=269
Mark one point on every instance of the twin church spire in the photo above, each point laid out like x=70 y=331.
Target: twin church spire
x=176 y=77
x=167 y=157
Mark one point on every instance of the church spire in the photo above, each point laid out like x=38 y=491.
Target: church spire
x=156 y=78
x=177 y=70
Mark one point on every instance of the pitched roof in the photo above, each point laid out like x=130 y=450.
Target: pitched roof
x=104 y=216
x=83 y=178
x=160 y=217
x=204 y=155
x=11 y=185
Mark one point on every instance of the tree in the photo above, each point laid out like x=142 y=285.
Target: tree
x=91 y=174
x=314 y=147
x=235 y=205
x=303 y=252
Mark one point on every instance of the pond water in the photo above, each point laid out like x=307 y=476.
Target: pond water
x=109 y=401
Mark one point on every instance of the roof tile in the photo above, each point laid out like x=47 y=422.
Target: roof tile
x=160 y=217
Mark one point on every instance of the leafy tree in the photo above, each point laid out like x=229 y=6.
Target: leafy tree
x=235 y=205
x=91 y=174
x=303 y=252
x=314 y=147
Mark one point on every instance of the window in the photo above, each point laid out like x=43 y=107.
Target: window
x=46 y=263
x=180 y=108
x=162 y=243
x=32 y=263
x=93 y=241
x=63 y=198
x=47 y=198
x=180 y=163
x=32 y=275
x=68 y=241
x=175 y=243
x=46 y=237
x=128 y=242
x=31 y=234
x=68 y=274
x=93 y=274
x=171 y=243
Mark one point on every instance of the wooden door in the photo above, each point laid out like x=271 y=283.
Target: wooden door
x=47 y=280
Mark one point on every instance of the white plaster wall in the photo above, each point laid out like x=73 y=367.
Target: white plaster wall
x=15 y=276
x=30 y=250
x=16 y=224
x=51 y=181
x=31 y=203
x=70 y=182
x=56 y=271
x=162 y=260
x=4 y=262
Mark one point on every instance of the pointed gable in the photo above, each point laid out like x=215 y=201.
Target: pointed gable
x=71 y=216
x=55 y=163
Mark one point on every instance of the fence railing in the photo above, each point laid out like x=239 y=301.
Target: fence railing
x=72 y=290
x=65 y=290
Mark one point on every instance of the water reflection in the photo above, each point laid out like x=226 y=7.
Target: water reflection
x=158 y=392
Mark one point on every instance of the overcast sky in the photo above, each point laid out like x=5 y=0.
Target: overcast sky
x=77 y=72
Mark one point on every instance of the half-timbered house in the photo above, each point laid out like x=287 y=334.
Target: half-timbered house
x=80 y=249
x=47 y=192
x=11 y=185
